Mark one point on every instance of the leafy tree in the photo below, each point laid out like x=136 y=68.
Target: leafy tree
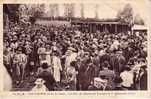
x=138 y=20
x=126 y=15
x=12 y=11
x=34 y=10
x=29 y=12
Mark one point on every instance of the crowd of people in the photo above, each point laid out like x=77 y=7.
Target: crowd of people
x=79 y=60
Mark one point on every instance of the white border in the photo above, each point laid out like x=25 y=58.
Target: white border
x=81 y=94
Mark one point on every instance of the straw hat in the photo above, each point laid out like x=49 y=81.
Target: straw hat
x=119 y=52
x=39 y=81
x=19 y=49
x=72 y=49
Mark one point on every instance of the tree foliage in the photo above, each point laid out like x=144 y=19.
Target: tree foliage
x=138 y=20
x=12 y=11
x=33 y=10
x=39 y=11
x=126 y=15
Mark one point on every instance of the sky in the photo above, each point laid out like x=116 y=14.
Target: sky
x=106 y=8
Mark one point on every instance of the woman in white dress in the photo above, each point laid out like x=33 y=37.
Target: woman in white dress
x=56 y=64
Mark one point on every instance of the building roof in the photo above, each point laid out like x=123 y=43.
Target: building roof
x=98 y=22
x=53 y=22
x=75 y=20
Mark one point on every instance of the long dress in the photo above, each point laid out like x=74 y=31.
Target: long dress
x=56 y=63
x=48 y=58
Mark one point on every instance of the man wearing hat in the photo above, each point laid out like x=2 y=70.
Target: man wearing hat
x=143 y=77
x=140 y=72
x=86 y=73
x=20 y=61
x=120 y=61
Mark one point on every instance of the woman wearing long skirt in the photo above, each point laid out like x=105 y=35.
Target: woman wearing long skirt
x=57 y=68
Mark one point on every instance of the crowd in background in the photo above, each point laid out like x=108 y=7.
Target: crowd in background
x=78 y=60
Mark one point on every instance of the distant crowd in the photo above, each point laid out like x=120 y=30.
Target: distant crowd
x=65 y=58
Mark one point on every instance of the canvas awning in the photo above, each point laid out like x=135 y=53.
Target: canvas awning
x=139 y=27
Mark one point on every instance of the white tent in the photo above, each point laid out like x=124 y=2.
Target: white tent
x=139 y=27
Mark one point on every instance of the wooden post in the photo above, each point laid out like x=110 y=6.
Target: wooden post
x=90 y=27
x=104 y=28
x=115 y=28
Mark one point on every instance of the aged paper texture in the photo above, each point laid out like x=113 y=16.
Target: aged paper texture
x=75 y=49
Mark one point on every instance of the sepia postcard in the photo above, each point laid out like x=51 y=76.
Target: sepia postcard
x=79 y=48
